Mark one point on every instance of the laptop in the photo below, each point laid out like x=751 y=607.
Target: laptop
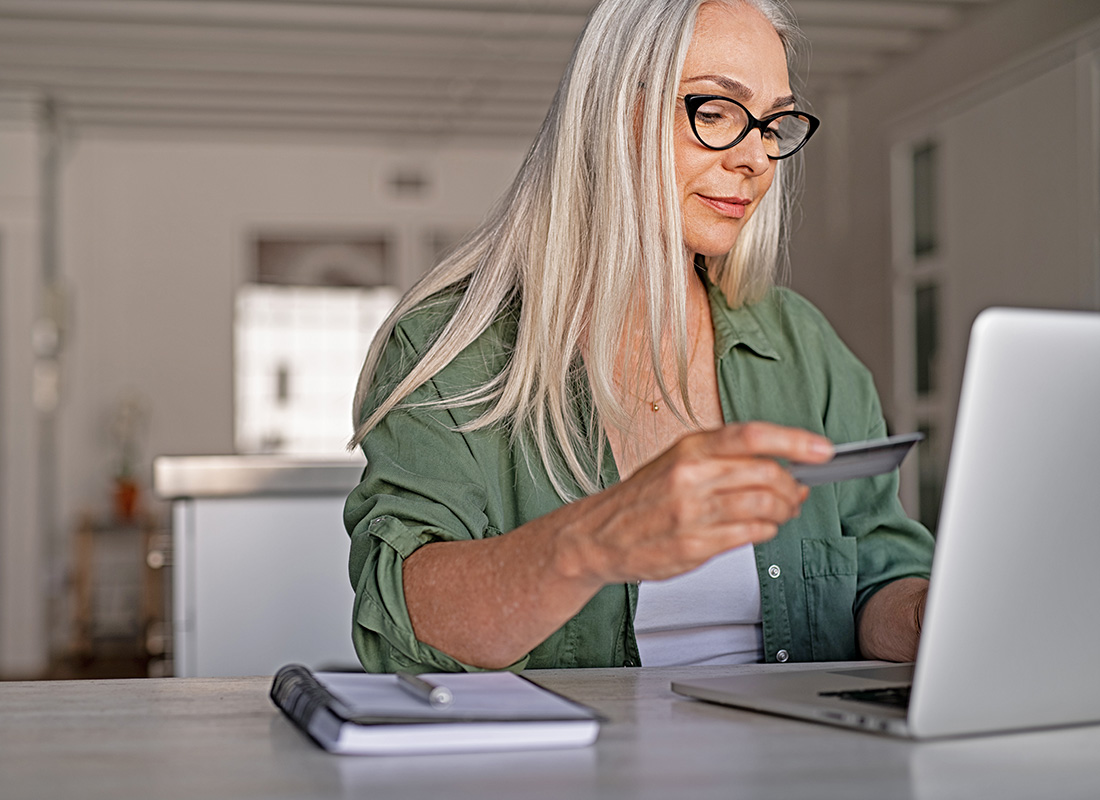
x=1011 y=633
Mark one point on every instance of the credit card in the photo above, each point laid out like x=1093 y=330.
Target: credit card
x=857 y=460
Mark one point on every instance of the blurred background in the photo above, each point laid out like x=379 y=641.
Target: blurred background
x=206 y=207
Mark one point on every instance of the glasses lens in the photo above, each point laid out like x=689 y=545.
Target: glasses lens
x=786 y=134
x=719 y=122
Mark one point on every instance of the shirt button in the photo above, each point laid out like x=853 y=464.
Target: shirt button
x=773 y=570
x=782 y=656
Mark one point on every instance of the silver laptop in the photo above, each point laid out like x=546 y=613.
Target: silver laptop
x=1011 y=635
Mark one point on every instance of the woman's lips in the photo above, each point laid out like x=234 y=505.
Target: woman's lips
x=733 y=207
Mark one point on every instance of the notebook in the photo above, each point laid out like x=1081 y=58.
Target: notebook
x=371 y=714
x=1010 y=637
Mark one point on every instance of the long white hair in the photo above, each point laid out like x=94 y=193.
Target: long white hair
x=592 y=218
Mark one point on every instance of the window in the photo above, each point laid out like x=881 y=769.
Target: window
x=300 y=342
x=925 y=197
x=926 y=301
x=298 y=354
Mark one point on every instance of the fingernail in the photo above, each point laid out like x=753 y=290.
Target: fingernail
x=821 y=447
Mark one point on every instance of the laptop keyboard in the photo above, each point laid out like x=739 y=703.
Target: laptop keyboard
x=897 y=696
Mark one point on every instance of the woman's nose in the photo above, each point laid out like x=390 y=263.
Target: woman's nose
x=749 y=153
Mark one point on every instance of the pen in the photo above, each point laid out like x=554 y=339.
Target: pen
x=435 y=694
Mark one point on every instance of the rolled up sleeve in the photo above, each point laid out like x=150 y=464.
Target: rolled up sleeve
x=422 y=484
x=890 y=544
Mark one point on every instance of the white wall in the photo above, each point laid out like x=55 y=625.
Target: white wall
x=23 y=577
x=155 y=235
x=156 y=242
x=1012 y=209
x=1017 y=194
x=842 y=251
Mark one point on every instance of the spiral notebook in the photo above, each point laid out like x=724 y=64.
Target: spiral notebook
x=369 y=714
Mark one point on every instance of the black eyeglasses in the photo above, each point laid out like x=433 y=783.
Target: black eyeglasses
x=721 y=123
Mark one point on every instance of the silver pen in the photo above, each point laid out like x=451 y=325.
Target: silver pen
x=435 y=694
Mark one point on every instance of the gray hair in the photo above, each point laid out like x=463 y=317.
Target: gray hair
x=559 y=242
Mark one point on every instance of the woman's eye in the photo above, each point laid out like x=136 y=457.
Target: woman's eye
x=711 y=112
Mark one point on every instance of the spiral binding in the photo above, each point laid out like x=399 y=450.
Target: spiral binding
x=301 y=695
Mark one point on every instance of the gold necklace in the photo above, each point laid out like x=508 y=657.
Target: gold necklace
x=655 y=404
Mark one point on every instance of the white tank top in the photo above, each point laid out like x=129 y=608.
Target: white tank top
x=710 y=615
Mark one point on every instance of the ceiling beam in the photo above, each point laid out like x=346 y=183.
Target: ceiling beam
x=69 y=33
x=289 y=85
x=266 y=14
x=893 y=40
x=397 y=68
x=911 y=14
x=216 y=119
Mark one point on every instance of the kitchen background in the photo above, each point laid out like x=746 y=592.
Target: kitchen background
x=207 y=205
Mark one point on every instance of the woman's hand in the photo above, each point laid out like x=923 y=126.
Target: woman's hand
x=709 y=493
x=487 y=602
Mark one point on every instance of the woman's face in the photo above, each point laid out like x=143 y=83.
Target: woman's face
x=735 y=53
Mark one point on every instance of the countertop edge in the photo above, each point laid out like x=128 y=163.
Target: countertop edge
x=180 y=477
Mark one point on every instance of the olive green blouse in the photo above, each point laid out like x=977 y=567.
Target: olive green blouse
x=777 y=360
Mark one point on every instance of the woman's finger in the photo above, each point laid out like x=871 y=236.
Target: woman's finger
x=765 y=439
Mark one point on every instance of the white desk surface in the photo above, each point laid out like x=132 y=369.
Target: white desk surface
x=222 y=738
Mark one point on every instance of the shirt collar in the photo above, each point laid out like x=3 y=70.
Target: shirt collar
x=736 y=326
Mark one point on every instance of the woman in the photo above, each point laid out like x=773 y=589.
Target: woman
x=575 y=426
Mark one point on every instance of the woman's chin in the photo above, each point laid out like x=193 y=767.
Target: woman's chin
x=713 y=249
x=717 y=239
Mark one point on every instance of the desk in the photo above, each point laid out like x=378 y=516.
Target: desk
x=222 y=738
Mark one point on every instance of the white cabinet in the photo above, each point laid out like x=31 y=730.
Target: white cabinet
x=261 y=563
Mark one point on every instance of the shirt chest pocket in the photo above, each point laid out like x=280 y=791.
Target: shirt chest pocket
x=829 y=568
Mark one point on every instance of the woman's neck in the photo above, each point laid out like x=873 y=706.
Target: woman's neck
x=655 y=422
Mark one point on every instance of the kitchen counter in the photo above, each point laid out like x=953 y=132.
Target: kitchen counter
x=260 y=574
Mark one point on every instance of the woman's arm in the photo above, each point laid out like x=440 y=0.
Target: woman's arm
x=488 y=602
x=889 y=626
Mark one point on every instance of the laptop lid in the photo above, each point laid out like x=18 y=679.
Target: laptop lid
x=1010 y=637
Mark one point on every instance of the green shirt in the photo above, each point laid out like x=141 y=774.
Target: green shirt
x=777 y=360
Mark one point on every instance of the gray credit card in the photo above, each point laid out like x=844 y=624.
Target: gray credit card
x=857 y=460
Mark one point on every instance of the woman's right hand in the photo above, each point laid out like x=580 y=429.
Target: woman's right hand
x=710 y=492
x=489 y=601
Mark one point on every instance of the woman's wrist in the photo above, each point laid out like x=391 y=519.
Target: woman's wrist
x=576 y=557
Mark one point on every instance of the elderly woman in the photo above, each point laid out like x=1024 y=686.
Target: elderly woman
x=576 y=425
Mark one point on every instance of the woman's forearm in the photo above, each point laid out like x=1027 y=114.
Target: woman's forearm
x=488 y=602
x=889 y=626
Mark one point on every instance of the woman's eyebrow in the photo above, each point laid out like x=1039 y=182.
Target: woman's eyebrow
x=783 y=102
x=739 y=91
